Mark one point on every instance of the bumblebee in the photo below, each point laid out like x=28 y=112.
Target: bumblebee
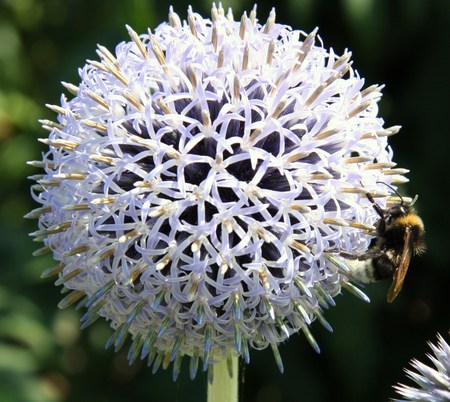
x=399 y=235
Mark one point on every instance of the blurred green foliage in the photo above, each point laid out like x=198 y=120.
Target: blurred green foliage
x=44 y=357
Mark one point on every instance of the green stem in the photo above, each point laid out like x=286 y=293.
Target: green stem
x=224 y=388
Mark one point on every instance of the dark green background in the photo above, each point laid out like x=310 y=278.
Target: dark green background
x=43 y=355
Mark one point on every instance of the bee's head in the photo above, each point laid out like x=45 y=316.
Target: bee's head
x=397 y=211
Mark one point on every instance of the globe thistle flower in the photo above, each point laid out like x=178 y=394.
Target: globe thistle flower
x=199 y=179
x=434 y=383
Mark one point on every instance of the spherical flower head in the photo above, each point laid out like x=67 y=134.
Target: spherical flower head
x=199 y=179
x=434 y=383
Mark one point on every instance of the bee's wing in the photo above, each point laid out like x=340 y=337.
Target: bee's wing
x=402 y=269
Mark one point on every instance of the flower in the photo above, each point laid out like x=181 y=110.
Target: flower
x=434 y=383
x=197 y=180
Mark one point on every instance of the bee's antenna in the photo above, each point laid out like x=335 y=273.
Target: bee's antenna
x=414 y=200
x=393 y=189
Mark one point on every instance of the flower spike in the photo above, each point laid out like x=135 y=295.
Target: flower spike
x=201 y=181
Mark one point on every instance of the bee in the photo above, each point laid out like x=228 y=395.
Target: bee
x=399 y=235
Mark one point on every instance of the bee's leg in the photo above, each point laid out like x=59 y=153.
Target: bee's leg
x=381 y=226
x=377 y=208
x=369 y=254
